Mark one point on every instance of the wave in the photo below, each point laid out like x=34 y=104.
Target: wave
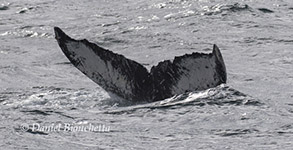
x=4 y=7
x=31 y=31
x=224 y=8
x=218 y=9
x=220 y=96
x=27 y=33
x=47 y=100
x=58 y=98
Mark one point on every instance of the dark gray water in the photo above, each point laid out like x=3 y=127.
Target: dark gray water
x=38 y=85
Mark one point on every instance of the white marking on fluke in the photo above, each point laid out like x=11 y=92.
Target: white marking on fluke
x=132 y=81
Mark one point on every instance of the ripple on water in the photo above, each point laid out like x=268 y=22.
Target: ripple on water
x=225 y=9
x=4 y=7
x=55 y=98
x=27 y=33
x=27 y=9
x=265 y=10
x=234 y=132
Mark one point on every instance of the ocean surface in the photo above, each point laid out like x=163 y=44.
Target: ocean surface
x=46 y=103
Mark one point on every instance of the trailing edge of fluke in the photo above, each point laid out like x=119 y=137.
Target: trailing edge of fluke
x=132 y=81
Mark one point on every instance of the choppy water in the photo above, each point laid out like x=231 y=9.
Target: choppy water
x=38 y=85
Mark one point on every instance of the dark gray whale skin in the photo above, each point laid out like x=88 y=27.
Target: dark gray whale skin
x=132 y=81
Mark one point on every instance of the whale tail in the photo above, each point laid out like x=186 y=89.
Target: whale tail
x=132 y=81
x=187 y=73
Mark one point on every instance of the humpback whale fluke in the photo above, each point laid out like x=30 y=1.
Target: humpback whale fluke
x=132 y=81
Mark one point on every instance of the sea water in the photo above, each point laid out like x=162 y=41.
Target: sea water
x=46 y=103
